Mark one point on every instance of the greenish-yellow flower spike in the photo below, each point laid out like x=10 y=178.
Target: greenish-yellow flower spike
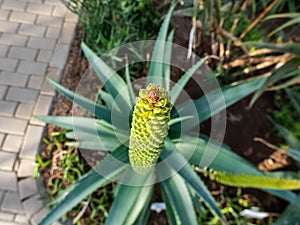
x=149 y=127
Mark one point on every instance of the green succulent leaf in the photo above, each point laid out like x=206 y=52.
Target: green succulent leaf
x=149 y=127
x=168 y=56
x=224 y=161
x=177 y=89
x=176 y=161
x=291 y=139
x=252 y=181
x=131 y=200
x=145 y=213
x=129 y=85
x=178 y=197
x=111 y=80
x=293 y=153
x=87 y=185
x=107 y=98
x=205 y=109
x=156 y=69
x=289 y=216
x=93 y=108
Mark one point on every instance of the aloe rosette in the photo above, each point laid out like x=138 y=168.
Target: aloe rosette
x=151 y=139
x=149 y=127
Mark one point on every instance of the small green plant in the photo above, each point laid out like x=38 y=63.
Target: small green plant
x=181 y=149
x=108 y=24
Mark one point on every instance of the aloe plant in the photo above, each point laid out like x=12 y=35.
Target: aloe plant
x=158 y=143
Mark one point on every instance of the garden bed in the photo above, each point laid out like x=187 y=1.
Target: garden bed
x=243 y=126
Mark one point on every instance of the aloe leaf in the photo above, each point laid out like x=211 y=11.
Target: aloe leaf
x=145 y=213
x=295 y=99
x=129 y=85
x=293 y=48
x=178 y=197
x=131 y=199
x=107 y=98
x=291 y=139
x=293 y=153
x=177 y=89
x=167 y=64
x=87 y=185
x=289 y=216
x=253 y=181
x=287 y=24
x=111 y=80
x=189 y=175
x=93 y=108
x=172 y=215
x=287 y=70
x=216 y=104
x=224 y=161
x=103 y=141
x=156 y=70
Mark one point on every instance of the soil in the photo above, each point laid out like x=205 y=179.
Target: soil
x=243 y=125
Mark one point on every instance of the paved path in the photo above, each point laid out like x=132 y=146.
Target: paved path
x=35 y=37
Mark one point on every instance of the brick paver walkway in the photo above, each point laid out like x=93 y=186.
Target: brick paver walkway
x=35 y=37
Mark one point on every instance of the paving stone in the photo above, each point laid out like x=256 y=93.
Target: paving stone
x=22 y=53
x=39 y=216
x=8 y=181
x=21 y=95
x=3 y=50
x=32 y=205
x=31 y=144
x=7 y=216
x=7 y=160
x=22 y=17
x=26 y=168
x=12 y=143
x=1 y=140
x=8 y=64
x=54 y=73
x=8 y=27
x=1 y=195
x=44 y=55
x=13 y=79
x=14 y=5
x=60 y=56
x=32 y=30
x=2 y=91
x=53 y=2
x=47 y=89
x=42 y=108
x=12 y=223
x=13 y=39
x=29 y=67
x=4 y=14
x=71 y=17
x=41 y=43
x=12 y=126
x=11 y=202
x=35 y=82
x=60 y=11
x=27 y=187
x=53 y=32
x=7 y=108
x=20 y=218
x=40 y=8
x=67 y=33
x=49 y=21
x=24 y=110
